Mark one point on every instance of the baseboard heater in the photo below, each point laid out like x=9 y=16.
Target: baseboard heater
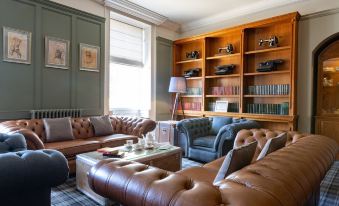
x=55 y=113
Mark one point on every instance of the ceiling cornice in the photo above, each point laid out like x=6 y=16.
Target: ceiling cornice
x=242 y=11
x=136 y=11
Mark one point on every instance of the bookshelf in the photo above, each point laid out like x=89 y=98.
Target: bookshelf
x=249 y=93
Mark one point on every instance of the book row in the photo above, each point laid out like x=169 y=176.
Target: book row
x=231 y=107
x=228 y=90
x=194 y=91
x=277 y=89
x=278 y=109
x=195 y=106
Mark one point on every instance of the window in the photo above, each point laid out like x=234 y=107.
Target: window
x=130 y=71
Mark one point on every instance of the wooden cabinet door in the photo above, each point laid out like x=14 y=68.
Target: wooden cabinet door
x=328 y=127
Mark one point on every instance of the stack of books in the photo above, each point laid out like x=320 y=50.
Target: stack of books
x=228 y=90
x=277 y=109
x=278 y=89
x=195 y=106
x=194 y=91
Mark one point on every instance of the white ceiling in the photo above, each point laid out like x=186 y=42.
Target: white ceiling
x=184 y=11
x=190 y=15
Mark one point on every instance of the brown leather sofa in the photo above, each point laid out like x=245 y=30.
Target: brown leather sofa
x=289 y=176
x=124 y=128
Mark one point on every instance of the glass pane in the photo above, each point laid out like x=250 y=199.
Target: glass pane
x=330 y=91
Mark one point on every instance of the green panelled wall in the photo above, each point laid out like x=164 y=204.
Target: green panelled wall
x=26 y=87
x=163 y=75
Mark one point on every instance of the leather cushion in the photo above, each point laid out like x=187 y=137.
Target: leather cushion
x=114 y=140
x=235 y=160
x=219 y=122
x=199 y=174
x=273 y=144
x=102 y=125
x=58 y=129
x=207 y=141
x=72 y=148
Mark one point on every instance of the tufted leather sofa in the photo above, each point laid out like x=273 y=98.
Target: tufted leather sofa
x=124 y=128
x=26 y=177
x=288 y=177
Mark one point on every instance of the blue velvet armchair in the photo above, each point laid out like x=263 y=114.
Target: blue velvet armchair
x=210 y=138
x=26 y=177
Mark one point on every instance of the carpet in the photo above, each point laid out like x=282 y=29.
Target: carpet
x=67 y=194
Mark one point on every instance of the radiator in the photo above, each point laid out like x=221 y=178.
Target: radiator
x=55 y=113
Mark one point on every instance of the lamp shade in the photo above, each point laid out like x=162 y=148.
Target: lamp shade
x=177 y=85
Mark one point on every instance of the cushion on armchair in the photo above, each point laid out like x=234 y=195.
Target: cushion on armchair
x=236 y=159
x=207 y=141
x=218 y=122
x=273 y=144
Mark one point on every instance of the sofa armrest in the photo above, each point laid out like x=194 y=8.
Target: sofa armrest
x=137 y=184
x=32 y=169
x=225 y=138
x=32 y=139
x=132 y=125
x=12 y=142
x=195 y=127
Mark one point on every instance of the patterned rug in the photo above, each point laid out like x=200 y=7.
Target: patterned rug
x=67 y=194
x=329 y=190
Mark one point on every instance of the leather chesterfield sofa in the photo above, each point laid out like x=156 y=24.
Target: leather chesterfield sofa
x=290 y=176
x=124 y=128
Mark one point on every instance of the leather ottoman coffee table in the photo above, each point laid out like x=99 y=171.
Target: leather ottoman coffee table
x=167 y=159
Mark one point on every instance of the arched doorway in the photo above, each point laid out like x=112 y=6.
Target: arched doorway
x=326 y=88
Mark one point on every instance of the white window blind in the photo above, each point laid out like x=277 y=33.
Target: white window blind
x=126 y=44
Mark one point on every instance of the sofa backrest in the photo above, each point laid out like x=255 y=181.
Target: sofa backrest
x=82 y=127
x=247 y=136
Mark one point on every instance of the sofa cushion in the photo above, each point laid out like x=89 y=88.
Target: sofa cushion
x=219 y=122
x=114 y=140
x=199 y=174
x=58 y=129
x=207 y=141
x=273 y=144
x=235 y=160
x=102 y=125
x=72 y=148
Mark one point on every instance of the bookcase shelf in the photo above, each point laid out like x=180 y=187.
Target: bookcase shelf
x=222 y=76
x=266 y=73
x=188 y=61
x=247 y=54
x=268 y=50
x=222 y=56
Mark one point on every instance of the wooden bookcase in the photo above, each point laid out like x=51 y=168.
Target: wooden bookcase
x=246 y=57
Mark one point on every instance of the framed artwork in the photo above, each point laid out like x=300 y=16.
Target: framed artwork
x=221 y=106
x=17 y=45
x=56 y=53
x=89 y=57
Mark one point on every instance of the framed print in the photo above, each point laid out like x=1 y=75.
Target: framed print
x=89 y=57
x=56 y=53
x=221 y=106
x=17 y=45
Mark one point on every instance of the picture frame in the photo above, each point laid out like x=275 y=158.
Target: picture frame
x=221 y=106
x=17 y=46
x=57 y=52
x=89 y=57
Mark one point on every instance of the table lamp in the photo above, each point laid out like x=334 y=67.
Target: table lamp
x=178 y=86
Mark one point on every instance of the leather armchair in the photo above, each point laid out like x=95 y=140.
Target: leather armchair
x=205 y=141
x=26 y=177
